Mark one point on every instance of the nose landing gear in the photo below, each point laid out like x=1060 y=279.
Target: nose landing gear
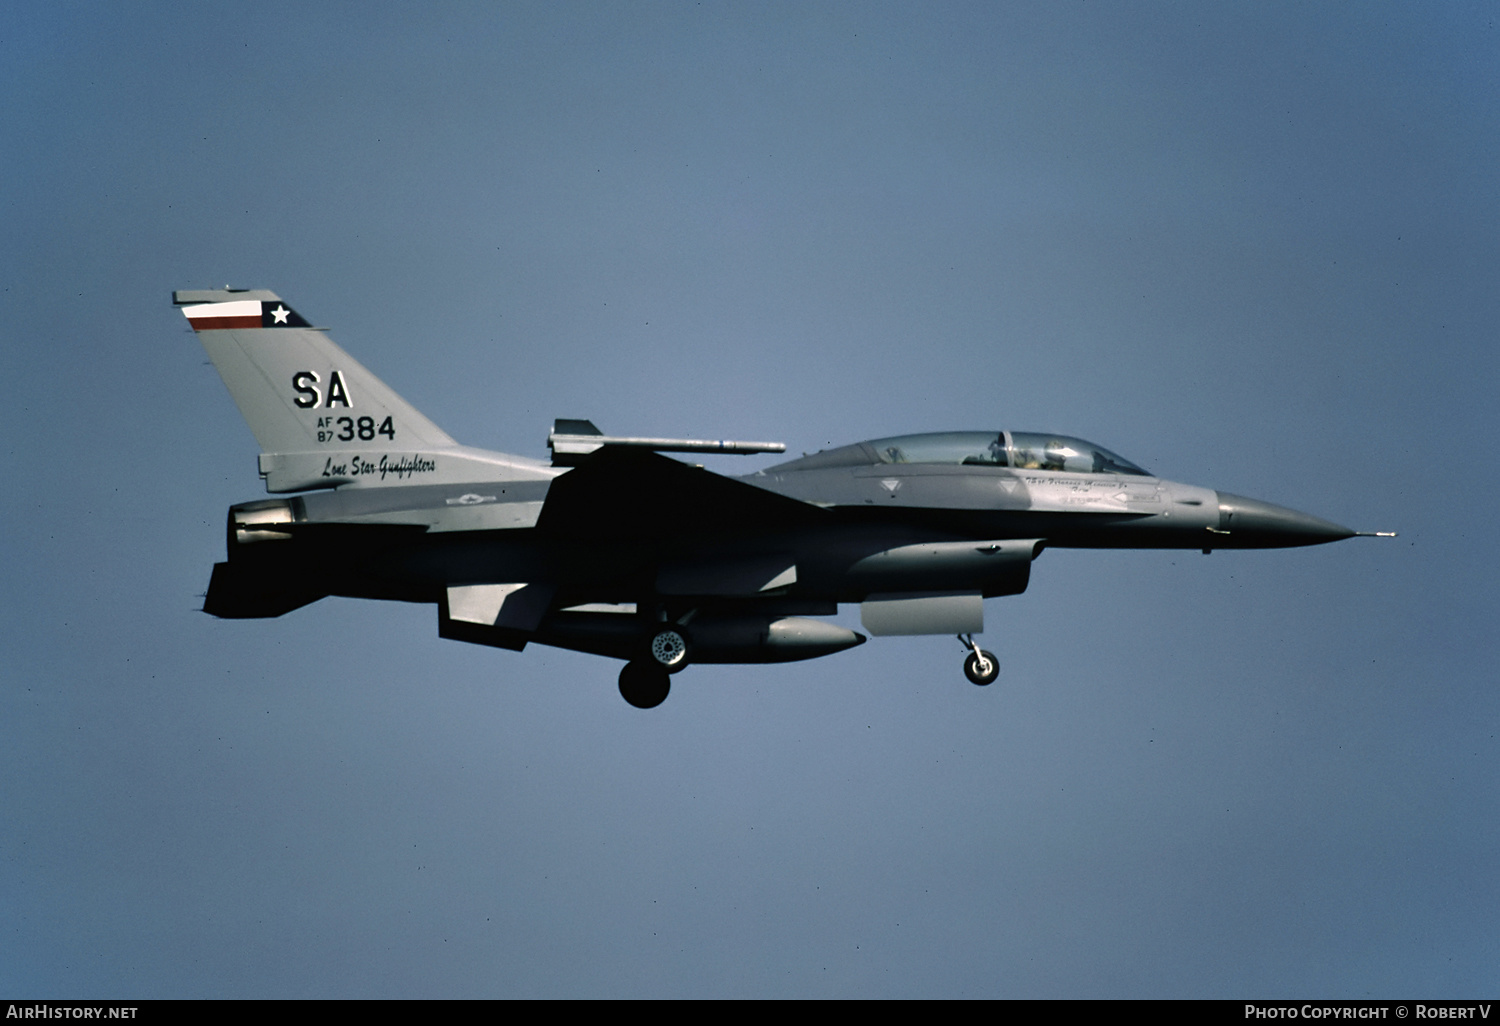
x=980 y=667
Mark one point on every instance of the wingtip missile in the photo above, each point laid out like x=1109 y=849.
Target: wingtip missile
x=571 y=439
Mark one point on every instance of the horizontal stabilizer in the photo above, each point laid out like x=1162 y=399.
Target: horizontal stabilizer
x=501 y=615
x=237 y=592
x=515 y=606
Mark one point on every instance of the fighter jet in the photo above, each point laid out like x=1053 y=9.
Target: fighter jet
x=614 y=549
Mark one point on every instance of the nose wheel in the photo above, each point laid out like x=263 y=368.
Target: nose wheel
x=980 y=667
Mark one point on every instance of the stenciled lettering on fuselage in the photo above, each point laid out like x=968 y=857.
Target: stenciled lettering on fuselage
x=400 y=467
x=347 y=429
x=305 y=383
x=337 y=429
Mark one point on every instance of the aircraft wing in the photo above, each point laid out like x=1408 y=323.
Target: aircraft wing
x=622 y=494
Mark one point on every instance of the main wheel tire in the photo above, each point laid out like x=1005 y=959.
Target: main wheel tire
x=669 y=650
x=981 y=668
x=644 y=685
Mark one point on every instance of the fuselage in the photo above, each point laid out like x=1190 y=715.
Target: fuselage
x=943 y=513
x=1068 y=492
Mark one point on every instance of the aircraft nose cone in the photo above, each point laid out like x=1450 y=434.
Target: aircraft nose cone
x=1253 y=524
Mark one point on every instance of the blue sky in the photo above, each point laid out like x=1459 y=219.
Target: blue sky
x=1251 y=247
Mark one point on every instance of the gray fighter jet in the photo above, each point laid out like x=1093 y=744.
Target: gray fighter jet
x=614 y=549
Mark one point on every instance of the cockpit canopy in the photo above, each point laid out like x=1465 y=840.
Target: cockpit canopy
x=1019 y=450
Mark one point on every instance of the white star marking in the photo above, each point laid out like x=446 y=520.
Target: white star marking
x=280 y=314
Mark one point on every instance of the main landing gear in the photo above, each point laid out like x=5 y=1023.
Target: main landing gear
x=644 y=683
x=980 y=667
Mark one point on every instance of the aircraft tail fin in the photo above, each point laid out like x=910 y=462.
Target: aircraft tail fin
x=298 y=391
